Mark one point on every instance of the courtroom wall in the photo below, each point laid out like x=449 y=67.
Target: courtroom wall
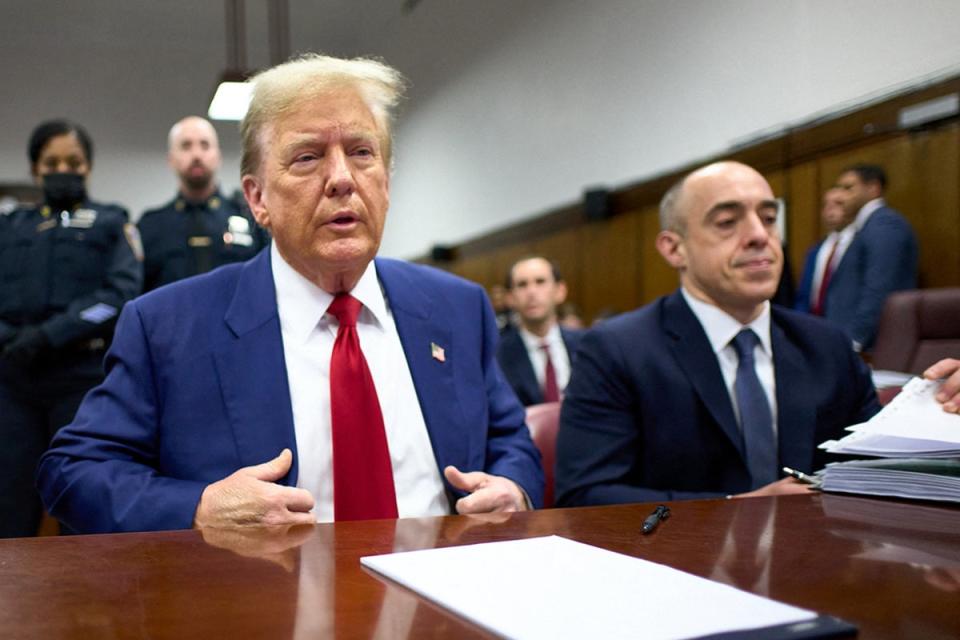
x=613 y=264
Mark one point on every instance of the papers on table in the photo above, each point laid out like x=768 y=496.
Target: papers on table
x=916 y=478
x=913 y=425
x=555 y=588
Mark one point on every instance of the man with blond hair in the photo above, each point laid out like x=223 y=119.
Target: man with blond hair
x=314 y=382
x=709 y=391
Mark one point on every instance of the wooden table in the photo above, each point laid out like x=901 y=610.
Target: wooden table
x=892 y=568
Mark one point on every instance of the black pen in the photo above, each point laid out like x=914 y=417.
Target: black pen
x=662 y=512
x=802 y=477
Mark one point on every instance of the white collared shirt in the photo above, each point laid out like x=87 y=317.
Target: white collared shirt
x=843 y=238
x=308 y=336
x=558 y=355
x=721 y=328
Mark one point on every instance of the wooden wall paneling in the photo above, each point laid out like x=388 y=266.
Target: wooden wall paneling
x=656 y=276
x=610 y=266
x=504 y=257
x=803 y=193
x=931 y=201
x=478 y=268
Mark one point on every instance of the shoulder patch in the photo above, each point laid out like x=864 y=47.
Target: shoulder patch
x=132 y=234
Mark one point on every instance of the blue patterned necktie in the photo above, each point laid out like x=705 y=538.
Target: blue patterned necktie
x=756 y=419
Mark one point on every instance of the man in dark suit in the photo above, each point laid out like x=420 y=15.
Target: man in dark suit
x=814 y=264
x=872 y=255
x=536 y=356
x=313 y=382
x=708 y=391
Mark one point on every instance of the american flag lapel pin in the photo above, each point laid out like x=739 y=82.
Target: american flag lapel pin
x=437 y=352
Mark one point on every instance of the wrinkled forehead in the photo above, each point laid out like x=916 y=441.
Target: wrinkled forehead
x=341 y=109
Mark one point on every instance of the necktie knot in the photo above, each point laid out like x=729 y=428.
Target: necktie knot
x=744 y=343
x=345 y=308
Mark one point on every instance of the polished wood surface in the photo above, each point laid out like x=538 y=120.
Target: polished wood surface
x=892 y=568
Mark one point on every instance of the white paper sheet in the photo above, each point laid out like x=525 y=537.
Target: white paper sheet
x=914 y=424
x=555 y=588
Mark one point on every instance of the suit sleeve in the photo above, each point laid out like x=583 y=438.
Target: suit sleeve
x=100 y=474
x=510 y=450
x=889 y=264
x=599 y=446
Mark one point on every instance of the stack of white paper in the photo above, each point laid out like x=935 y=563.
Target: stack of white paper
x=554 y=588
x=913 y=425
x=915 y=478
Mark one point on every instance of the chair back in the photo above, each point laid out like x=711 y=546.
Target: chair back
x=918 y=328
x=544 y=421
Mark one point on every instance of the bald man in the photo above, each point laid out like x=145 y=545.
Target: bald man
x=709 y=391
x=199 y=229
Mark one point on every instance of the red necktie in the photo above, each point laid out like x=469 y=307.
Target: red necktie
x=362 y=474
x=551 y=392
x=818 y=308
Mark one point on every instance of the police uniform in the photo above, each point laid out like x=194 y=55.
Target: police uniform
x=184 y=238
x=63 y=280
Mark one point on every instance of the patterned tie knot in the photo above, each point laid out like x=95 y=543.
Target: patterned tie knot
x=745 y=342
x=345 y=308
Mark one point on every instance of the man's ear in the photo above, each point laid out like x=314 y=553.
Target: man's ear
x=560 y=295
x=670 y=246
x=253 y=192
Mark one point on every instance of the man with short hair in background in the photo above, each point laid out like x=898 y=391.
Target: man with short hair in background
x=809 y=296
x=200 y=229
x=873 y=255
x=708 y=391
x=537 y=355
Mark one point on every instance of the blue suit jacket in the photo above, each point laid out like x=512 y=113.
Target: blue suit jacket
x=881 y=259
x=802 y=300
x=515 y=363
x=647 y=415
x=196 y=388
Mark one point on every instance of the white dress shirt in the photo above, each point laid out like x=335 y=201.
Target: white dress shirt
x=308 y=336
x=721 y=328
x=558 y=355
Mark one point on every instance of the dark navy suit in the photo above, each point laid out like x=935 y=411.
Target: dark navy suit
x=881 y=259
x=197 y=388
x=515 y=363
x=647 y=415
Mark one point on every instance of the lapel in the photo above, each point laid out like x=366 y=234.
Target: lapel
x=796 y=417
x=252 y=371
x=421 y=325
x=693 y=354
x=521 y=368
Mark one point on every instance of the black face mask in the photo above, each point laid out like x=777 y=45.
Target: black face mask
x=63 y=191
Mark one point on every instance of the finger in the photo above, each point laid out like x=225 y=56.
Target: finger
x=476 y=502
x=468 y=482
x=272 y=470
x=942 y=369
x=298 y=500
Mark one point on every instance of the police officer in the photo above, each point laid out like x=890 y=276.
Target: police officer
x=66 y=269
x=199 y=229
